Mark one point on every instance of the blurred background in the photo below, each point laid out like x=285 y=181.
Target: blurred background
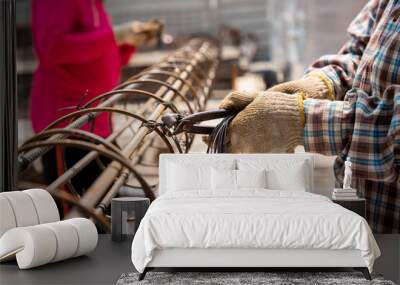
x=264 y=41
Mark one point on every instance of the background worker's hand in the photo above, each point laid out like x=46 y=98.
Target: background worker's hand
x=313 y=85
x=272 y=122
x=237 y=100
x=139 y=33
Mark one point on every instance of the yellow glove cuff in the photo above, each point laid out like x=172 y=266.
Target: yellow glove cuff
x=326 y=82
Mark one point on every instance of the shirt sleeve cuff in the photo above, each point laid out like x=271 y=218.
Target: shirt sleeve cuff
x=323 y=128
x=330 y=76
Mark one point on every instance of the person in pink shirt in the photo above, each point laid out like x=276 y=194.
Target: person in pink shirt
x=80 y=56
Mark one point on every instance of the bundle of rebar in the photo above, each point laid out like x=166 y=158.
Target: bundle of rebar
x=180 y=84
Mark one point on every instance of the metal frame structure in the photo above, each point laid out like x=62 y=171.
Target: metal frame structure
x=181 y=84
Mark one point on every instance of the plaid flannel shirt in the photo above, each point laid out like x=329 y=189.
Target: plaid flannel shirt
x=364 y=122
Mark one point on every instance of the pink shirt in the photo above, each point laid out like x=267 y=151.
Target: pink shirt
x=77 y=54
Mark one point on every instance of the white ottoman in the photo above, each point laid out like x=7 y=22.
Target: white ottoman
x=40 y=244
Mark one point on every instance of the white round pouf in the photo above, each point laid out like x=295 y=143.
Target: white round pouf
x=7 y=217
x=23 y=208
x=67 y=239
x=87 y=235
x=31 y=232
x=34 y=246
x=45 y=205
x=40 y=244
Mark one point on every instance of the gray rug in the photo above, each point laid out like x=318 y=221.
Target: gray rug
x=269 y=278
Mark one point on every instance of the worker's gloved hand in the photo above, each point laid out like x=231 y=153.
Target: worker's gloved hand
x=313 y=85
x=272 y=123
x=237 y=100
x=139 y=33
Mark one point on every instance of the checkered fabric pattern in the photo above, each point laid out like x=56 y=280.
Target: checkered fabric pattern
x=364 y=123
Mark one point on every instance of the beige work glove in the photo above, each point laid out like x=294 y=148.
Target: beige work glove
x=139 y=33
x=313 y=85
x=272 y=123
x=237 y=100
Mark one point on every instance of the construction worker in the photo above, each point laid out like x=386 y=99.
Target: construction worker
x=80 y=56
x=347 y=104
